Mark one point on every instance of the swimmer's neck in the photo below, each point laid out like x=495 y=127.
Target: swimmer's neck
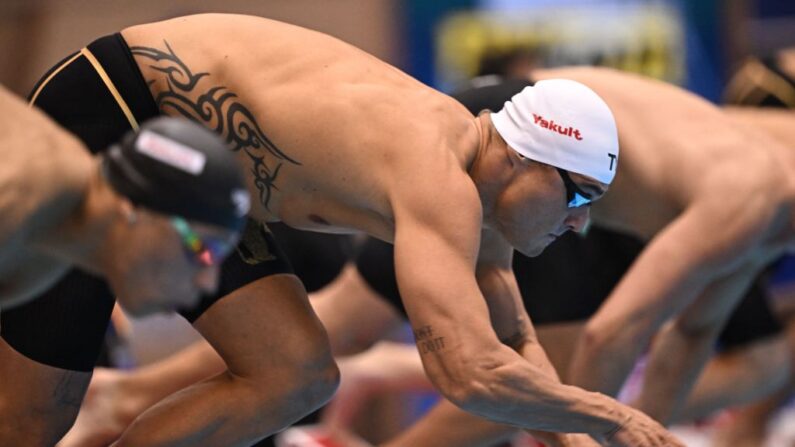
x=481 y=125
x=489 y=166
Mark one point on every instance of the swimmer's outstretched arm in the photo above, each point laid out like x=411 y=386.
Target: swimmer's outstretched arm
x=508 y=316
x=684 y=345
x=686 y=268
x=436 y=248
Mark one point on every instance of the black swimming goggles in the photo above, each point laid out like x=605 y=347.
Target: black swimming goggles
x=575 y=196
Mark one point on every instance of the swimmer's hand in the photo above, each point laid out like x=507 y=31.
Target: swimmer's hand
x=639 y=430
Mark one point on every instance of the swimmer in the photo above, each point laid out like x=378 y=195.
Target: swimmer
x=713 y=213
x=334 y=140
x=118 y=215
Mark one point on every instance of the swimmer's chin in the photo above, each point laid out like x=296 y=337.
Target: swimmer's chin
x=537 y=248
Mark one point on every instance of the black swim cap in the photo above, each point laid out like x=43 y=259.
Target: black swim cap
x=177 y=167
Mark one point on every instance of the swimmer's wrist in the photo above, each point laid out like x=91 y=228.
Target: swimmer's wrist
x=608 y=416
x=610 y=434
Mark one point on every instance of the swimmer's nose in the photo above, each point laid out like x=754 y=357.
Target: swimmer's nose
x=577 y=218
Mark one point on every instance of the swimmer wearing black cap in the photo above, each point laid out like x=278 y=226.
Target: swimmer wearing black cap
x=334 y=140
x=62 y=208
x=177 y=170
x=155 y=215
x=73 y=220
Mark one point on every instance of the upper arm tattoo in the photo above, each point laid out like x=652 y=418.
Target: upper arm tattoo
x=218 y=109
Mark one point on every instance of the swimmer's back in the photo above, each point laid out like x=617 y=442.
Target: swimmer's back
x=354 y=123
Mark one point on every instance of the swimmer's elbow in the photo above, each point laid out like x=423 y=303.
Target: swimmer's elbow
x=696 y=328
x=612 y=330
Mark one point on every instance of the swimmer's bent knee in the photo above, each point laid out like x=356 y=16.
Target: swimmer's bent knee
x=322 y=387
x=314 y=387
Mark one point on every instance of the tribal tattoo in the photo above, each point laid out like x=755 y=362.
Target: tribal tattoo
x=218 y=109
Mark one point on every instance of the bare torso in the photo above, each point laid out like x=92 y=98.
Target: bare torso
x=676 y=149
x=345 y=126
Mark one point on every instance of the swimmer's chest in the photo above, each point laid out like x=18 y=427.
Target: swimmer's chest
x=325 y=193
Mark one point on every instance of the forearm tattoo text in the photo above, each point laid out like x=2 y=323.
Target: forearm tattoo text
x=427 y=341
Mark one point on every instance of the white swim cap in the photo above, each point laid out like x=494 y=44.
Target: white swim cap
x=564 y=124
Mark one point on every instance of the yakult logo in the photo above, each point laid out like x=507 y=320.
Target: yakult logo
x=555 y=127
